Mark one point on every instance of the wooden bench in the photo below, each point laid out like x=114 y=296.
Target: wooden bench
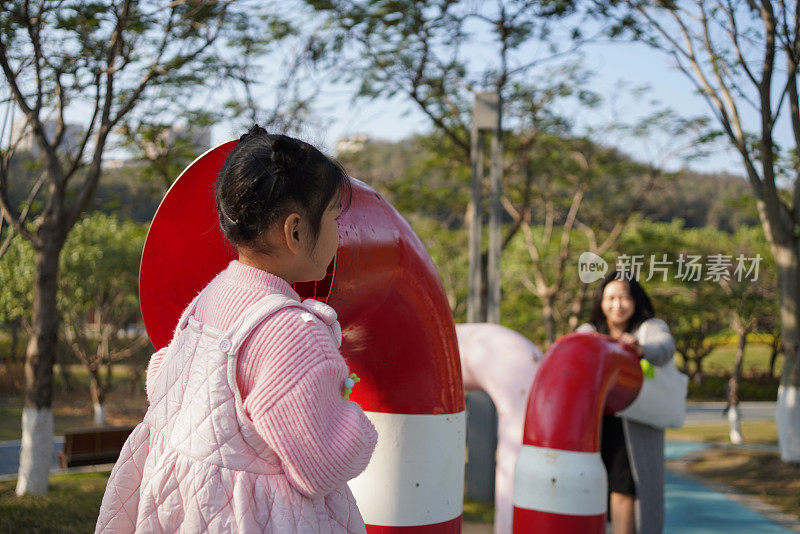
x=92 y=445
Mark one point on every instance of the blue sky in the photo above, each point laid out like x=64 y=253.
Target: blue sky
x=632 y=64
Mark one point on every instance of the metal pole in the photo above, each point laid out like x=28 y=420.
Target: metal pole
x=475 y=230
x=481 y=413
x=495 y=218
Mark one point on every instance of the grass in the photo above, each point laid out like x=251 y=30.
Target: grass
x=478 y=512
x=71 y=506
x=760 y=432
x=756 y=357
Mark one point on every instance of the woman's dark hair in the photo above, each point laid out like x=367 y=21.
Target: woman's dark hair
x=267 y=176
x=643 y=308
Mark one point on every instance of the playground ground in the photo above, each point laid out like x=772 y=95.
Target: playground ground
x=699 y=506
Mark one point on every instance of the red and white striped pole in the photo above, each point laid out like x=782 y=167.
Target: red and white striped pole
x=560 y=483
x=398 y=336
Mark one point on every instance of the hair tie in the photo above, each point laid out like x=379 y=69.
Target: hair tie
x=224 y=214
x=252 y=132
x=268 y=173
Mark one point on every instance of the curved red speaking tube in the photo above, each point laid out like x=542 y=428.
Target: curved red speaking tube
x=560 y=483
x=398 y=336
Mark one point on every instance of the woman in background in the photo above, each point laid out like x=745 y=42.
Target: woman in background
x=633 y=453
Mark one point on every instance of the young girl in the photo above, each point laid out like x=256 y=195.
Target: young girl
x=633 y=453
x=248 y=429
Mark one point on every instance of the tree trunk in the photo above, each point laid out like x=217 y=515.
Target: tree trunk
x=66 y=378
x=787 y=411
x=133 y=379
x=37 y=416
x=735 y=432
x=548 y=302
x=685 y=364
x=733 y=384
x=576 y=307
x=697 y=378
x=775 y=347
x=98 y=397
x=12 y=353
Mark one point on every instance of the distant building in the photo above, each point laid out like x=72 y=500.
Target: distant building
x=22 y=137
x=351 y=143
x=198 y=139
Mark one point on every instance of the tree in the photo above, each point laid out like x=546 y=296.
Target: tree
x=99 y=297
x=269 y=78
x=752 y=307
x=64 y=61
x=421 y=51
x=742 y=57
x=674 y=263
x=572 y=169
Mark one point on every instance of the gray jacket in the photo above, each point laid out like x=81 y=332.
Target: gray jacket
x=646 y=443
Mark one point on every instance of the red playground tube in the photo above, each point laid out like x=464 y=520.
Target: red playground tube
x=560 y=482
x=398 y=336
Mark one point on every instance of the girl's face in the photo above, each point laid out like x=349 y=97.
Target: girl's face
x=617 y=304
x=327 y=241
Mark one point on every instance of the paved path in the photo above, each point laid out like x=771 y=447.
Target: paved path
x=694 y=508
x=9 y=455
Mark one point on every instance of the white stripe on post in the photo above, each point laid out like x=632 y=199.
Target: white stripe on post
x=416 y=475
x=560 y=482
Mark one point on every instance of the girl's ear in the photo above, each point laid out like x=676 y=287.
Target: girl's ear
x=292 y=233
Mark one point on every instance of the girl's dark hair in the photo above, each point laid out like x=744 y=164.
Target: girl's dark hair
x=267 y=176
x=643 y=308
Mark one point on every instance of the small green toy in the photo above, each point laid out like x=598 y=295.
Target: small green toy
x=349 y=382
x=648 y=369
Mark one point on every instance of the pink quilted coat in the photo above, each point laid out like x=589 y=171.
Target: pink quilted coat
x=197 y=462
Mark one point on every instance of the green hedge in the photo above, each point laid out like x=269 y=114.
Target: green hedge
x=753 y=387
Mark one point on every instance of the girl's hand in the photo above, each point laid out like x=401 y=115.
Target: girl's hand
x=630 y=340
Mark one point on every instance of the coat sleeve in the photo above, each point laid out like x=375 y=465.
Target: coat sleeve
x=321 y=439
x=656 y=341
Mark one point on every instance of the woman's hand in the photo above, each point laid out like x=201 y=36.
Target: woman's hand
x=630 y=340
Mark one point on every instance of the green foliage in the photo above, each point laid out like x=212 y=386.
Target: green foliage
x=98 y=282
x=752 y=387
x=424 y=179
x=99 y=267
x=422 y=174
x=423 y=52
x=522 y=307
x=698 y=305
x=16 y=282
x=448 y=250
x=98 y=296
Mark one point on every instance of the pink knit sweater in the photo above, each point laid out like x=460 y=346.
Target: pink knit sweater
x=290 y=376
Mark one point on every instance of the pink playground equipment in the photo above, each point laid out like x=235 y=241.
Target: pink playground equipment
x=398 y=336
x=502 y=363
x=560 y=483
